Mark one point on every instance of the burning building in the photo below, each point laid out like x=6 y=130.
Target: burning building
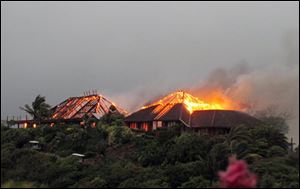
x=181 y=108
x=77 y=109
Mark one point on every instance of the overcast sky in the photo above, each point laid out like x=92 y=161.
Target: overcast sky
x=131 y=50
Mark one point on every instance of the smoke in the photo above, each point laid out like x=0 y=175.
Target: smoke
x=245 y=86
x=223 y=85
x=133 y=100
x=291 y=47
x=252 y=89
x=278 y=85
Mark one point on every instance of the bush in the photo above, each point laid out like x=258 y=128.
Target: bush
x=163 y=158
x=276 y=151
x=118 y=134
x=196 y=182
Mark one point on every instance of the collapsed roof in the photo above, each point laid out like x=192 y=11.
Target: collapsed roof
x=77 y=107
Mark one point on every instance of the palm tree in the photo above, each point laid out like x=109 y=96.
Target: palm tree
x=39 y=109
x=236 y=135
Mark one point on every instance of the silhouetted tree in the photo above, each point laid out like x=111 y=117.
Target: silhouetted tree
x=39 y=109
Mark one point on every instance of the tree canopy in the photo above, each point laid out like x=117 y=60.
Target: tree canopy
x=117 y=157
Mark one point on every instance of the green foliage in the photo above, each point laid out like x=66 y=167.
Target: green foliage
x=18 y=137
x=276 y=172
x=186 y=148
x=118 y=135
x=196 y=182
x=276 y=151
x=276 y=122
x=97 y=182
x=181 y=172
x=294 y=156
x=13 y=184
x=112 y=118
x=270 y=135
x=116 y=157
x=274 y=118
x=165 y=134
x=150 y=154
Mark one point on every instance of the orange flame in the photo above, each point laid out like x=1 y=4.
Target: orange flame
x=191 y=103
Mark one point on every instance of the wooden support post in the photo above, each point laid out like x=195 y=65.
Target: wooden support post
x=292 y=145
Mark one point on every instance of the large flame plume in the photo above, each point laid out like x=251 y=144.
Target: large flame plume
x=190 y=102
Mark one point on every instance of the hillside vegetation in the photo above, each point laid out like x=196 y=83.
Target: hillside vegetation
x=118 y=157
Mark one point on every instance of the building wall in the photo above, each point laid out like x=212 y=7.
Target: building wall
x=152 y=125
x=144 y=126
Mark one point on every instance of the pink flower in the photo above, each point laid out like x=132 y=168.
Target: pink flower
x=237 y=175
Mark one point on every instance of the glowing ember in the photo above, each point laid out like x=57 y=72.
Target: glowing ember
x=191 y=103
x=77 y=107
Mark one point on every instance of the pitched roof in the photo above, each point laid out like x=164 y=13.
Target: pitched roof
x=177 y=112
x=142 y=115
x=77 y=107
x=221 y=118
x=181 y=106
x=174 y=106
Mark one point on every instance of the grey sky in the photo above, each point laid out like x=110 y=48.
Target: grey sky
x=132 y=50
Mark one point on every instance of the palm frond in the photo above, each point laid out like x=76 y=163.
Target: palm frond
x=39 y=109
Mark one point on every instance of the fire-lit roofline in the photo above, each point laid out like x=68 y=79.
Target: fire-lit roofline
x=190 y=102
x=86 y=96
x=74 y=106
